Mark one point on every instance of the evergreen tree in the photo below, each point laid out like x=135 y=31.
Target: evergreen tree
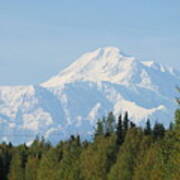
x=132 y=125
x=127 y=156
x=148 y=167
x=161 y=160
x=50 y=165
x=178 y=99
x=158 y=131
x=32 y=168
x=110 y=124
x=173 y=165
x=125 y=124
x=97 y=158
x=148 y=130
x=99 y=128
x=70 y=163
x=171 y=126
x=5 y=159
x=143 y=154
x=177 y=119
x=119 y=131
x=10 y=145
x=78 y=141
x=39 y=147
x=177 y=114
x=17 y=168
x=1 y=168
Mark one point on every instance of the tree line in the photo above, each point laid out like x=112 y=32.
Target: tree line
x=119 y=150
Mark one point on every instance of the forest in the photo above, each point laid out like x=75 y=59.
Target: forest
x=119 y=150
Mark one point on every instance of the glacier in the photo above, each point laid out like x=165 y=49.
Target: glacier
x=98 y=82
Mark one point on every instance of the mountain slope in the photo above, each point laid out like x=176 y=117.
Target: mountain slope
x=98 y=82
x=108 y=64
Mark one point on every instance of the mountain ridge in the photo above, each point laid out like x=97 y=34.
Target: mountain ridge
x=98 y=82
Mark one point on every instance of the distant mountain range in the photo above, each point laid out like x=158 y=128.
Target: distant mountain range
x=98 y=82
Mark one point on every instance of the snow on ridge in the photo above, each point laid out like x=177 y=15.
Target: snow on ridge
x=98 y=82
x=162 y=68
x=109 y=64
x=103 y=64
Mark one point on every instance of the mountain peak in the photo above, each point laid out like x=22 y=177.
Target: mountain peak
x=109 y=51
x=110 y=65
x=98 y=82
x=102 y=64
x=105 y=53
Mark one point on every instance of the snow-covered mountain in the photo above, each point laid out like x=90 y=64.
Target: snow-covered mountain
x=98 y=82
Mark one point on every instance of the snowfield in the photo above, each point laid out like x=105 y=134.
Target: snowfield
x=98 y=82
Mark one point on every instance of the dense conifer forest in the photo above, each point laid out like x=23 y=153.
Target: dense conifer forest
x=119 y=150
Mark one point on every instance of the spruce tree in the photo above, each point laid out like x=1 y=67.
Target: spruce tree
x=70 y=163
x=177 y=119
x=158 y=131
x=125 y=123
x=97 y=158
x=1 y=167
x=171 y=126
x=127 y=156
x=110 y=124
x=148 y=130
x=5 y=160
x=32 y=168
x=17 y=168
x=99 y=128
x=177 y=114
x=132 y=124
x=119 y=131
x=178 y=99
x=49 y=165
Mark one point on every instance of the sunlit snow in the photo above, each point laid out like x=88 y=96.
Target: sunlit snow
x=98 y=82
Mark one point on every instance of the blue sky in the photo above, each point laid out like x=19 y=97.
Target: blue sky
x=39 y=38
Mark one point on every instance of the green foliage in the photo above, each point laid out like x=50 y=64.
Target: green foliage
x=126 y=159
x=177 y=114
x=49 y=165
x=158 y=131
x=119 y=151
x=178 y=99
x=97 y=158
x=161 y=160
x=110 y=124
x=126 y=122
x=17 y=168
x=177 y=119
x=100 y=128
x=70 y=163
x=106 y=126
x=148 y=130
x=5 y=160
x=32 y=168
x=119 y=131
